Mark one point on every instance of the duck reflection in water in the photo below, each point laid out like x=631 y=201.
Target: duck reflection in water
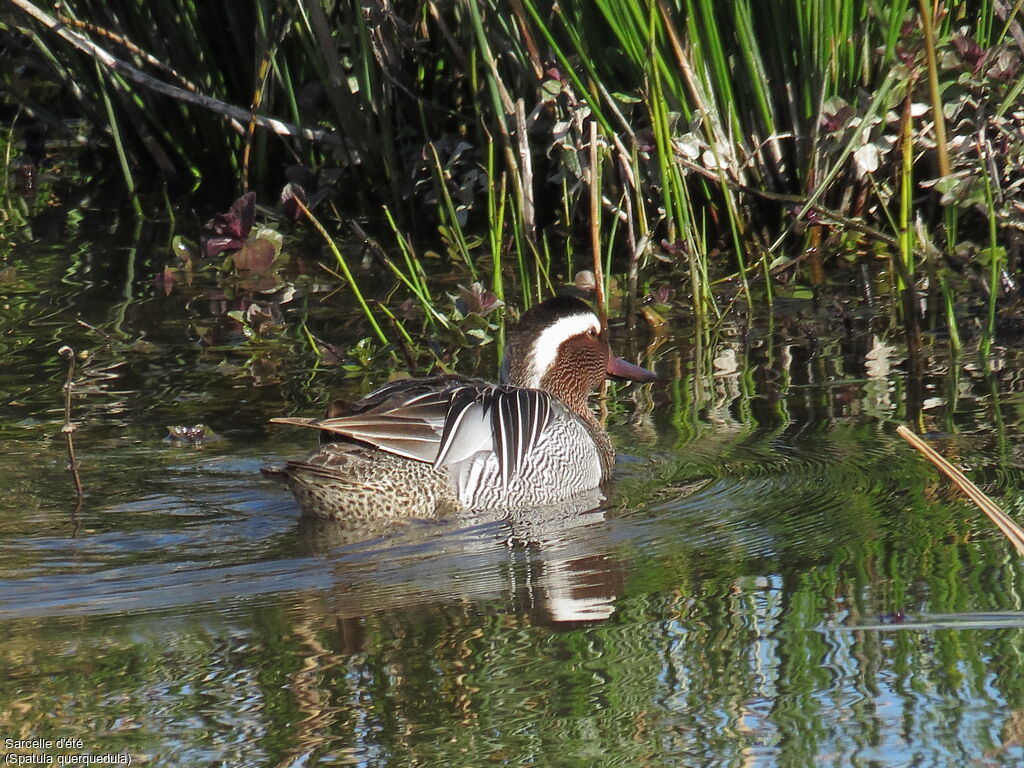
x=555 y=565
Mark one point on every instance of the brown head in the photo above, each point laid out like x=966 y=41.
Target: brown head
x=560 y=346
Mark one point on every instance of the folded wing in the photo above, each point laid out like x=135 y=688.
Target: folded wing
x=445 y=421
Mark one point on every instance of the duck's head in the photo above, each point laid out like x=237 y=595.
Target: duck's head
x=560 y=346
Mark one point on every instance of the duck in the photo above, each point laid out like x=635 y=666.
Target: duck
x=425 y=447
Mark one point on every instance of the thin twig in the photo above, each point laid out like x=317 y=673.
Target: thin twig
x=1010 y=529
x=533 y=52
x=68 y=428
x=99 y=331
x=797 y=200
x=131 y=47
x=456 y=49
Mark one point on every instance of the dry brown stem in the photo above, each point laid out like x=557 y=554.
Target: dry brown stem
x=1010 y=529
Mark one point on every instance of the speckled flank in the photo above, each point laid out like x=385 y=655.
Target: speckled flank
x=352 y=483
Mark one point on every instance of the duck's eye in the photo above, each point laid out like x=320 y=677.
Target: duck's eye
x=592 y=333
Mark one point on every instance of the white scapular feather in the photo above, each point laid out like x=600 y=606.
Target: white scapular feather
x=468 y=434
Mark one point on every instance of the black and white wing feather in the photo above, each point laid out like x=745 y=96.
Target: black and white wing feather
x=506 y=420
x=445 y=421
x=405 y=418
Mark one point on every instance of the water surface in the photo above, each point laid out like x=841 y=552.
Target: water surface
x=774 y=580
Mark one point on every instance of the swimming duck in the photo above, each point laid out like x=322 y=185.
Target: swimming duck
x=420 y=447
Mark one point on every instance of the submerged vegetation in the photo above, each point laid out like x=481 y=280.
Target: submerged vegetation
x=729 y=152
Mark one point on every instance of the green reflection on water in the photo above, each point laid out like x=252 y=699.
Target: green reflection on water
x=733 y=603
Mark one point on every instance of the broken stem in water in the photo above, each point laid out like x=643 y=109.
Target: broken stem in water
x=1010 y=529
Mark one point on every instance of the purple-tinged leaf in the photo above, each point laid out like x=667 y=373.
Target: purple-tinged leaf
x=968 y=49
x=255 y=255
x=291 y=196
x=227 y=231
x=476 y=299
x=216 y=245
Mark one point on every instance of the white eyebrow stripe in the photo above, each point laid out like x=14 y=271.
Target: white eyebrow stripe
x=545 y=346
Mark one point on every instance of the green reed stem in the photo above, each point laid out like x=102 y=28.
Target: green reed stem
x=948 y=305
x=345 y=271
x=941 y=148
x=495 y=231
x=449 y=216
x=906 y=231
x=995 y=260
x=115 y=133
x=416 y=280
x=495 y=222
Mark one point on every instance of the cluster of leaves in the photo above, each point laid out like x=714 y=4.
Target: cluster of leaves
x=250 y=251
x=254 y=281
x=985 y=116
